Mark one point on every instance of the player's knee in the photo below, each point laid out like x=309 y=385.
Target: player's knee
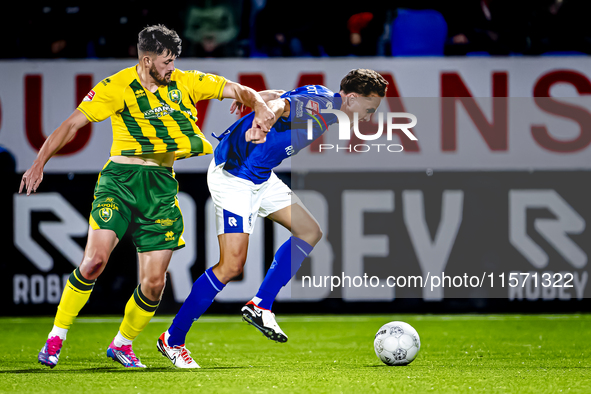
x=316 y=235
x=92 y=265
x=234 y=271
x=311 y=233
x=230 y=271
x=153 y=286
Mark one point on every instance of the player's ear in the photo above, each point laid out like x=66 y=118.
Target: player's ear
x=146 y=60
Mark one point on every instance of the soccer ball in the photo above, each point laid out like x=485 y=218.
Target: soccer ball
x=397 y=343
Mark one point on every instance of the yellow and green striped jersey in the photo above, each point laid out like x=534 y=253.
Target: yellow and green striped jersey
x=145 y=122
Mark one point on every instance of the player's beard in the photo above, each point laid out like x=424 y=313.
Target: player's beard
x=160 y=81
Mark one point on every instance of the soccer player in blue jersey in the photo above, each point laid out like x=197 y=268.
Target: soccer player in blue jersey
x=243 y=187
x=153 y=115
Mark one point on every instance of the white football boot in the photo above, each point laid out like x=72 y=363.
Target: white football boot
x=178 y=355
x=264 y=321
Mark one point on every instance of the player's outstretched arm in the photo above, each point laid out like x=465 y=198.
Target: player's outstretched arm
x=60 y=137
x=280 y=107
x=249 y=97
x=266 y=95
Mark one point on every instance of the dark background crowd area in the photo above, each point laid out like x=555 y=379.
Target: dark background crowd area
x=274 y=28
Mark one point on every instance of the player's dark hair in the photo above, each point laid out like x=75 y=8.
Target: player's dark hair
x=160 y=40
x=364 y=82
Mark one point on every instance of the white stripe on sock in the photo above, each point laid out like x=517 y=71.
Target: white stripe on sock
x=211 y=281
x=305 y=254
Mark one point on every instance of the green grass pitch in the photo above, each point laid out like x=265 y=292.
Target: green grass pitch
x=459 y=353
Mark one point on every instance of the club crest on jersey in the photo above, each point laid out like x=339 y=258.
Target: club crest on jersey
x=175 y=96
x=106 y=214
x=89 y=96
x=313 y=108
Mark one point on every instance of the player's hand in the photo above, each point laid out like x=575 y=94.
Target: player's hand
x=264 y=118
x=255 y=135
x=236 y=107
x=31 y=179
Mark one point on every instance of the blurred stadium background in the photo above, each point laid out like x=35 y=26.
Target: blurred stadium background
x=462 y=50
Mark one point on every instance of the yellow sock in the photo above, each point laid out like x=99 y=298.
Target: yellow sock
x=74 y=297
x=138 y=313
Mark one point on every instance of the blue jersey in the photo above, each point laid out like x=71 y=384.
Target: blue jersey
x=287 y=137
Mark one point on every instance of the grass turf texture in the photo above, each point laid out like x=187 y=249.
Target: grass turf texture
x=459 y=353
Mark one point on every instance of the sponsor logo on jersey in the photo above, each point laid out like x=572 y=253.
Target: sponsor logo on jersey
x=106 y=214
x=313 y=108
x=106 y=81
x=166 y=222
x=289 y=150
x=89 y=96
x=232 y=222
x=299 y=109
x=158 y=112
x=175 y=96
x=109 y=203
x=201 y=77
x=139 y=93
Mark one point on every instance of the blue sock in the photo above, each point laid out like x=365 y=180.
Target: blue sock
x=287 y=262
x=202 y=294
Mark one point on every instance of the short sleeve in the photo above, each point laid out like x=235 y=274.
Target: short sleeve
x=206 y=86
x=306 y=109
x=103 y=101
x=306 y=106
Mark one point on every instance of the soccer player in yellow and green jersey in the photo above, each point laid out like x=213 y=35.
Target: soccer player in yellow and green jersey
x=153 y=116
x=153 y=122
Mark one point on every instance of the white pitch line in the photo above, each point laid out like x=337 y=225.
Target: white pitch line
x=326 y=318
